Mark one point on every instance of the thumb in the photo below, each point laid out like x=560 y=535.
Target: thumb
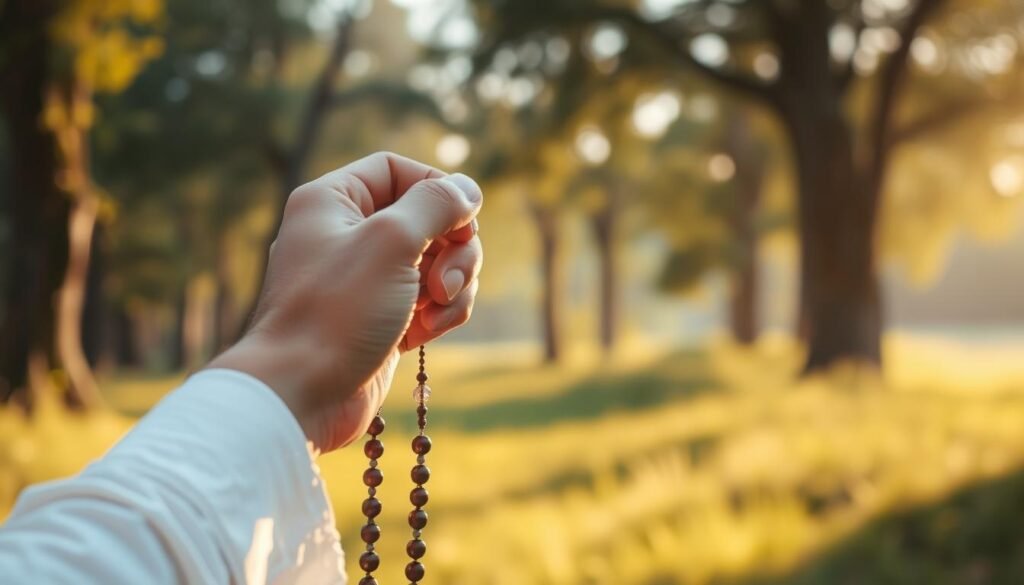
x=434 y=207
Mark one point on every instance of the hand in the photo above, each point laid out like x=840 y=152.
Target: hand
x=371 y=260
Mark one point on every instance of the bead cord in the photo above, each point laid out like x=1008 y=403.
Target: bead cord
x=372 y=478
x=416 y=548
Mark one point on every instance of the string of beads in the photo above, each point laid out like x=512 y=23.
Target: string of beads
x=420 y=474
x=372 y=478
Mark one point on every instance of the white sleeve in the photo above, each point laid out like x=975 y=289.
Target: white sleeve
x=215 y=485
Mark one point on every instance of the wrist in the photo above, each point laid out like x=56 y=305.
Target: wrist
x=286 y=366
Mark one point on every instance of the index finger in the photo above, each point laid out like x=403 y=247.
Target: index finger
x=381 y=178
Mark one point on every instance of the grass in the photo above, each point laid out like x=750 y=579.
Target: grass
x=695 y=467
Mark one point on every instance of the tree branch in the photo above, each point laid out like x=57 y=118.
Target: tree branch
x=393 y=93
x=676 y=45
x=891 y=81
x=951 y=112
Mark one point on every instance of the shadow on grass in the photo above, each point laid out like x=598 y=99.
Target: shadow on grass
x=974 y=537
x=678 y=377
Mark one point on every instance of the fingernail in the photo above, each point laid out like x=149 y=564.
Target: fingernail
x=441 y=319
x=467 y=186
x=476 y=226
x=453 y=281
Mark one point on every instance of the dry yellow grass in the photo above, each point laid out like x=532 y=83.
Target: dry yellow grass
x=687 y=469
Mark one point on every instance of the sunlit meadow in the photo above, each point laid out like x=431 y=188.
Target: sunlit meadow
x=692 y=467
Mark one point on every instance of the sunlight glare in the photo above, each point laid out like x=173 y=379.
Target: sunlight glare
x=592 y=146
x=766 y=66
x=1007 y=176
x=710 y=49
x=607 y=42
x=452 y=150
x=654 y=113
x=721 y=167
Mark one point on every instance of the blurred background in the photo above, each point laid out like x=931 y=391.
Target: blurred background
x=751 y=311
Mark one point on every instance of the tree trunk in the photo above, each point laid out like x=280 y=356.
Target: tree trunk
x=546 y=221
x=749 y=182
x=225 y=324
x=125 y=339
x=291 y=164
x=605 y=227
x=37 y=205
x=83 y=390
x=840 y=304
x=74 y=178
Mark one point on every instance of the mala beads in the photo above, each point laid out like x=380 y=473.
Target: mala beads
x=416 y=548
x=372 y=477
x=369 y=560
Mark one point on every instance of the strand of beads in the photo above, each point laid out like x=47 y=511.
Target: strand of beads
x=372 y=478
x=416 y=548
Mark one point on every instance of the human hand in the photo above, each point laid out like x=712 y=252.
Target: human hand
x=371 y=260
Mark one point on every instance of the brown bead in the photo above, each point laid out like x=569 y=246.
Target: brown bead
x=368 y=580
x=422 y=377
x=369 y=561
x=376 y=425
x=373 y=477
x=419 y=496
x=416 y=548
x=420 y=474
x=370 y=533
x=421 y=444
x=417 y=519
x=371 y=507
x=373 y=449
x=421 y=409
x=414 y=571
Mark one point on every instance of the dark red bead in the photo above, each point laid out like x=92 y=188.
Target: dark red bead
x=416 y=548
x=420 y=474
x=371 y=507
x=421 y=409
x=376 y=425
x=421 y=444
x=369 y=561
x=373 y=449
x=373 y=477
x=422 y=377
x=417 y=519
x=368 y=580
x=414 y=571
x=370 y=533
x=419 y=496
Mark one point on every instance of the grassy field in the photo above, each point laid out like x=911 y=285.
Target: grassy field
x=693 y=467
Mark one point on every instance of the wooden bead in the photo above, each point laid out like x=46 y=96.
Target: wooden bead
x=371 y=507
x=368 y=580
x=370 y=533
x=414 y=571
x=421 y=444
x=422 y=377
x=373 y=449
x=420 y=474
x=376 y=425
x=373 y=477
x=417 y=519
x=369 y=561
x=419 y=496
x=416 y=548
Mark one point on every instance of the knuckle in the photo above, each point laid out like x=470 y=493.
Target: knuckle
x=300 y=198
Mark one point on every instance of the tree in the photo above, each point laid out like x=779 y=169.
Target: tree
x=839 y=109
x=54 y=56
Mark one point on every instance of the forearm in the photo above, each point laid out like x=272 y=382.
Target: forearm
x=215 y=485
